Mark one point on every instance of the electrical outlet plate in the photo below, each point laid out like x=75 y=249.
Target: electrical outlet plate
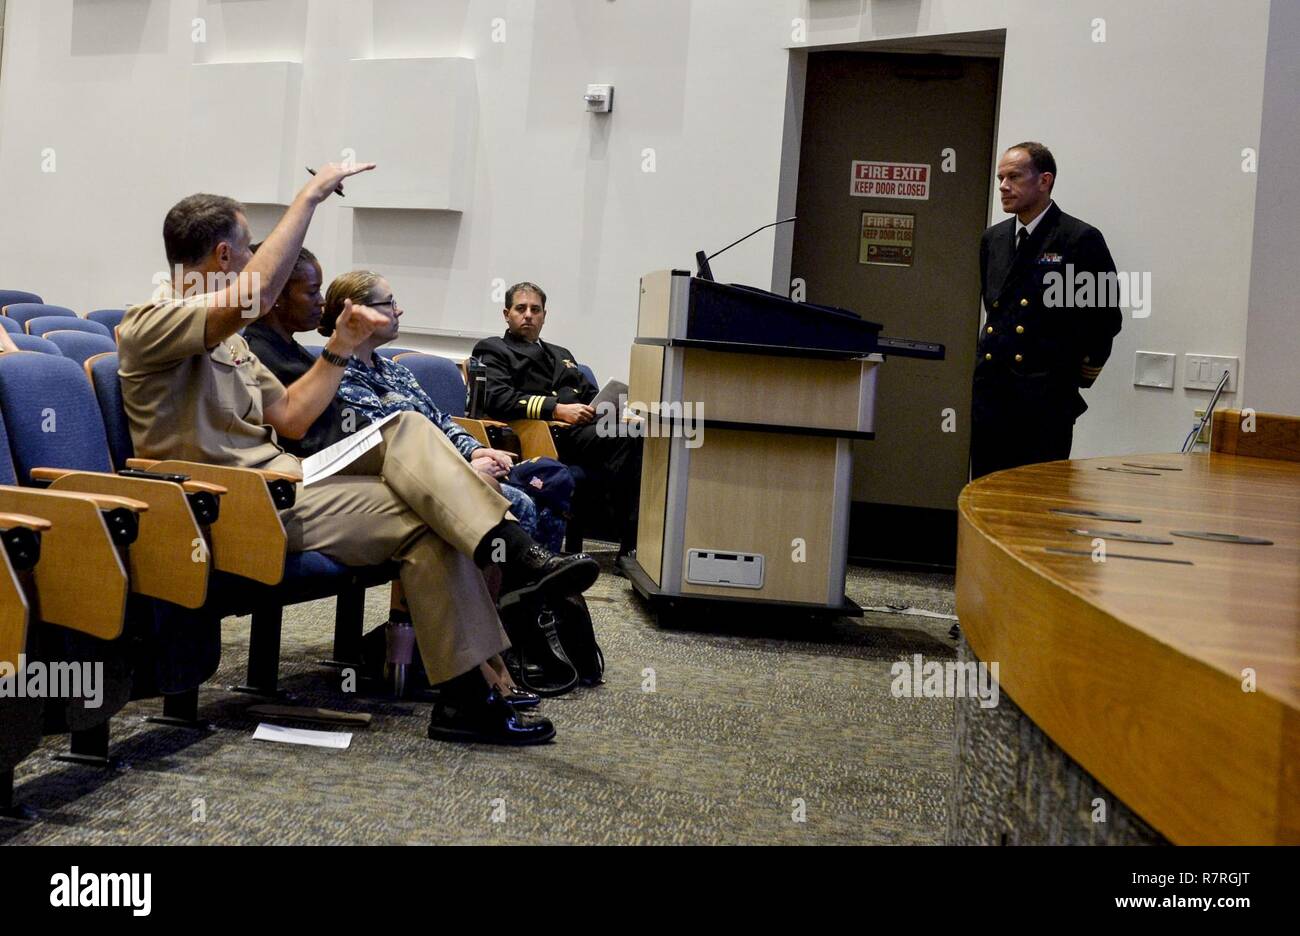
x=1154 y=369
x=599 y=98
x=1202 y=372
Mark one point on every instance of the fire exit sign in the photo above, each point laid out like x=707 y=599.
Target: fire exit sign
x=890 y=180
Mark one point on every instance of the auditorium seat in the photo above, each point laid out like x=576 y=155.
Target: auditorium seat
x=14 y=296
x=81 y=590
x=27 y=342
x=109 y=318
x=79 y=345
x=252 y=545
x=439 y=377
x=23 y=312
x=391 y=353
x=10 y=325
x=47 y=323
x=20 y=718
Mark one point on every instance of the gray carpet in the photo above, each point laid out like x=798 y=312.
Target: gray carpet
x=746 y=722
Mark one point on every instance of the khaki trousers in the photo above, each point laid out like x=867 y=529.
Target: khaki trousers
x=414 y=499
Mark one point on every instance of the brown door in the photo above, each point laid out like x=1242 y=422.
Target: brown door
x=912 y=265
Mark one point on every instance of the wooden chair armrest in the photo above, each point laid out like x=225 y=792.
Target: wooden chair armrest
x=203 y=487
x=150 y=464
x=248 y=538
x=168 y=559
x=9 y=521
x=534 y=438
x=81 y=580
x=103 y=501
x=475 y=427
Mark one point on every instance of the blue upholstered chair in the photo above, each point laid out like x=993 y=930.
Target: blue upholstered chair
x=15 y=296
x=109 y=318
x=439 y=377
x=79 y=345
x=24 y=412
x=20 y=718
x=10 y=325
x=27 y=342
x=391 y=353
x=47 y=323
x=22 y=312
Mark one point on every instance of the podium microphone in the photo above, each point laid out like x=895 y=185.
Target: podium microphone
x=702 y=261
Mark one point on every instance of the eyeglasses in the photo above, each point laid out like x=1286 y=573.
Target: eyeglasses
x=391 y=302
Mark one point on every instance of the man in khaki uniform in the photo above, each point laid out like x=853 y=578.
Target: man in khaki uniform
x=193 y=390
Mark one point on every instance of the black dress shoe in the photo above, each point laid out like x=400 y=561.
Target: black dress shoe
x=539 y=571
x=492 y=721
x=522 y=698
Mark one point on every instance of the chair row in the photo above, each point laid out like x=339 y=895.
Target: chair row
x=32 y=317
x=193 y=544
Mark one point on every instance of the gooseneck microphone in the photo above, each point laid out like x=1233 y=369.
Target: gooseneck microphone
x=702 y=261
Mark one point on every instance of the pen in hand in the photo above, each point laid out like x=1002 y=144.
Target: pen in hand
x=338 y=189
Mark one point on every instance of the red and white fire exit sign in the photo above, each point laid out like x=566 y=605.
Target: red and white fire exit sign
x=890 y=180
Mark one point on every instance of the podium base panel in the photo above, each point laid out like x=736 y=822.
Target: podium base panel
x=667 y=604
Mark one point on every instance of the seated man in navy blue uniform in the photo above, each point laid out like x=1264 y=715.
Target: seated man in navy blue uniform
x=528 y=378
x=1037 y=350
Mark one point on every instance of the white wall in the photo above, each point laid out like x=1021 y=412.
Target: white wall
x=1147 y=127
x=1273 y=332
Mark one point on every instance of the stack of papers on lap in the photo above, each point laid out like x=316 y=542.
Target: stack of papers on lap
x=335 y=458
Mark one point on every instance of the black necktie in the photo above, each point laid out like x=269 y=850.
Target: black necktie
x=1022 y=235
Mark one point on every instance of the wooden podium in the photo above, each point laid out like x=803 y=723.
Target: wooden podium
x=751 y=403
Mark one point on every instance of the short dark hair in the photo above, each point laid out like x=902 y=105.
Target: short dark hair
x=195 y=226
x=524 y=287
x=304 y=256
x=1040 y=156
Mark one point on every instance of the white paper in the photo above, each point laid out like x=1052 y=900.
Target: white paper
x=918 y=612
x=327 y=739
x=333 y=459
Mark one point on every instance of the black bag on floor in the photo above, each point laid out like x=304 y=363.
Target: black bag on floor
x=578 y=638
x=537 y=660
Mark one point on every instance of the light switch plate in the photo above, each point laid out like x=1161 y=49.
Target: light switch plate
x=1154 y=369
x=1202 y=372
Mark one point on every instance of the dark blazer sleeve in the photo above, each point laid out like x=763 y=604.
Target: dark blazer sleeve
x=984 y=265
x=505 y=400
x=1100 y=324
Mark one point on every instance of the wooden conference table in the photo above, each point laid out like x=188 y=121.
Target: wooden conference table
x=1136 y=668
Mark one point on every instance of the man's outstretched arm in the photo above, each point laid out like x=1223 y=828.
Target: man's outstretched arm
x=229 y=310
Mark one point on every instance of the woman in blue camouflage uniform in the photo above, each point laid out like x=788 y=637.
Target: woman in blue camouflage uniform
x=374 y=387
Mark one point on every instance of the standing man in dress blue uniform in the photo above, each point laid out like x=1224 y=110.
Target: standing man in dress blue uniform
x=1038 y=346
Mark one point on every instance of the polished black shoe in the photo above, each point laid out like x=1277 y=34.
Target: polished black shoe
x=522 y=698
x=493 y=721
x=538 y=571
